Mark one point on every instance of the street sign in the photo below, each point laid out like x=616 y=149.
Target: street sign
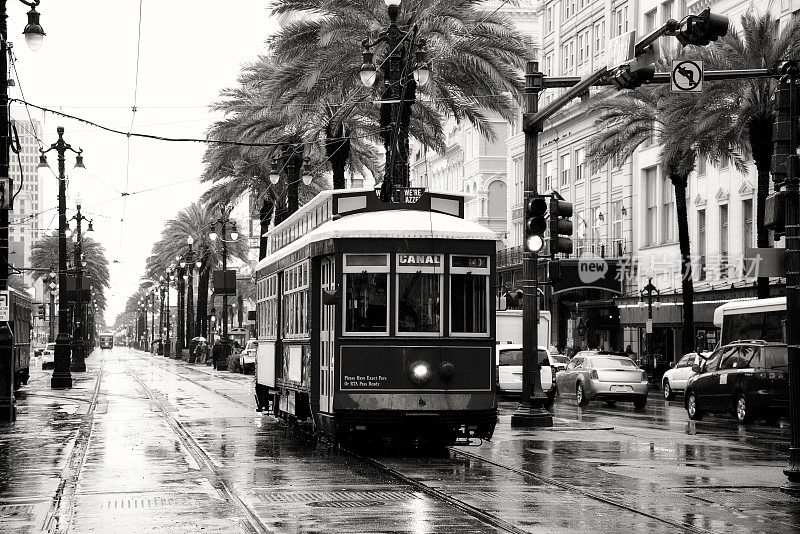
x=687 y=76
x=649 y=327
x=620 y=50
x=5 y=307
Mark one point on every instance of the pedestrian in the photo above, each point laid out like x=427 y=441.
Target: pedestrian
x=630 y=354
x=199 y=353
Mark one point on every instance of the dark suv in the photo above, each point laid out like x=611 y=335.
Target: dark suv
x=744 y=378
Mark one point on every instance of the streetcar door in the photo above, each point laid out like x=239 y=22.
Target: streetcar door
x=326 y=337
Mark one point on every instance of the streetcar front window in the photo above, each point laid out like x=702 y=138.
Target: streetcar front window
x=367 y=309
x=418 y=305
x=469 y=311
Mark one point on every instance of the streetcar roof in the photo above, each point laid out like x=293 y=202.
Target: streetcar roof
x=395 y=224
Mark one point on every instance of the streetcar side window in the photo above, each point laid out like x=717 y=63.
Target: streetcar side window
x=469 y=295
x=295 y=301
x=366 y=289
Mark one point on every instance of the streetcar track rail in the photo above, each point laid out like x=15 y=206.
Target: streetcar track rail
x=576 y=489
x=252 y=522
x=59 y=515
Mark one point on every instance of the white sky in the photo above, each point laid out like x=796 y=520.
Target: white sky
x=190 y=49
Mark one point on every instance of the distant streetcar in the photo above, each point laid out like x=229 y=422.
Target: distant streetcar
x=21 y=310
x=106 y=340
x=377 y=320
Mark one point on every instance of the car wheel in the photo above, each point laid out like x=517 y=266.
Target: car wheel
x=640 y=403
x=742 y=413
x=668 y=393
x=695 y=414
x=580 y=397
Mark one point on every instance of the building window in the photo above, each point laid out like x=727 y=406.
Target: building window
x=747 y=218
x=548 y=64
x=666 y=10
x=650 y=21
x=599 y=36
x=565 y=165
x=651 y=194
x=667 y=211
x=519 y=180
x=548 y=19
x=701 y=165
x=723 y=240
x=547 y=173
x=616 y=220
x=580 y=164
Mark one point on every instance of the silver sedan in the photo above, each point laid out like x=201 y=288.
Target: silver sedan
x=607 y=377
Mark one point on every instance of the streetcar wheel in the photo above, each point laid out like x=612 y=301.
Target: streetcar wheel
x=611 y=403
x=580 y=397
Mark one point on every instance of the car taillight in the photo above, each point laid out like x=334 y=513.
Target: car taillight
x=644 y=375
x=595 y=375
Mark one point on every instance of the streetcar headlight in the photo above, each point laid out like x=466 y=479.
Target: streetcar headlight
x=420 y=373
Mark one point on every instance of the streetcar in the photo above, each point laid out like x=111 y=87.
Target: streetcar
x=376 y=320
x=21 y=313
x=106 y=340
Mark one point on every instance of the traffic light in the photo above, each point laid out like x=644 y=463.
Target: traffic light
x=535 y=223
x=560 y=227
x=701 y=29
x=625 y=78
x=41 y=311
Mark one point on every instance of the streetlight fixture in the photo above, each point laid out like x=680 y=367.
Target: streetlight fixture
x=61 y=372
x=223 y=221
x=399 y=92
x=274 y=173
x=78 y=315
x=649 y=290
x=34 y=35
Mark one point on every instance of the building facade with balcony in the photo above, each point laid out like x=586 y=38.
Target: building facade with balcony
x=625 y=211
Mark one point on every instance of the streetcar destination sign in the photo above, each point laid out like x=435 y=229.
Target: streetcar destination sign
x=419 y=259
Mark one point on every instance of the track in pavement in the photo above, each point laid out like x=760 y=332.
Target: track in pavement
x=483 y=516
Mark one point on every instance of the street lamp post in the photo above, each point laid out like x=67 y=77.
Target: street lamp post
x=79 y=324
x=649 y=290
x=161 y=289
x=167 y=325
x=33 y=36
x=180 y=287
x=190 y=295
x=51 y=283
x=152 y=318
x=290 y=159
x=61 y=373
x=223 y=222
x=399 y=92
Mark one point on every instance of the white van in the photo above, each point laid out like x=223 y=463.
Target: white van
x=509 y=371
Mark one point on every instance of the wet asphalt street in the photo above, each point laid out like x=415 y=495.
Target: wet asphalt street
x=143 y=443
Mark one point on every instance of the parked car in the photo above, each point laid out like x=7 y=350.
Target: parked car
x=49 y=356
x=609 y=377
x=558 y=362
x=247 y=358
x=509 y=371
x=675 y=379
x=744 y=378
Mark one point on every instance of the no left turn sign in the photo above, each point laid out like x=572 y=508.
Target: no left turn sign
x=687 y=76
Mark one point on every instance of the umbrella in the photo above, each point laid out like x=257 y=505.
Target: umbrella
x=199 y=338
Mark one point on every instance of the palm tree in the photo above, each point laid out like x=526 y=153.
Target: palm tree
x=478 y=58
x=197 y=221
x=630 y=119
x=744 y=110
x=44 y=257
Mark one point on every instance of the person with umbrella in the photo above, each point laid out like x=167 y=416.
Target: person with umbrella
x=200 y=349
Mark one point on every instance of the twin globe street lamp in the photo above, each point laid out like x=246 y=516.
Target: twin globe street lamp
x=223 y=284
x=398 y=93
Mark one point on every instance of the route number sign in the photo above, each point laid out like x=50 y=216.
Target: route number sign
x=687 y=76
x=5 y=306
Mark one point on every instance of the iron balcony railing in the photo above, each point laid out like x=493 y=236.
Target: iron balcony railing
x=605 y=248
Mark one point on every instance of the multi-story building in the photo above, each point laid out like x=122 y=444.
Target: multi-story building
x=626 y=211
x=25 y=219
x=472 y=163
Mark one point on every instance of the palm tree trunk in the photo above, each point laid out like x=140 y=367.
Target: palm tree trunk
x=761 y=145
x=201 y=321
x=190 y=330
x=264 y=217
x=687 y=338
x=337 y=148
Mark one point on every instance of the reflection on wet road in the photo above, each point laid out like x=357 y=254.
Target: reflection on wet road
x=145 y=443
